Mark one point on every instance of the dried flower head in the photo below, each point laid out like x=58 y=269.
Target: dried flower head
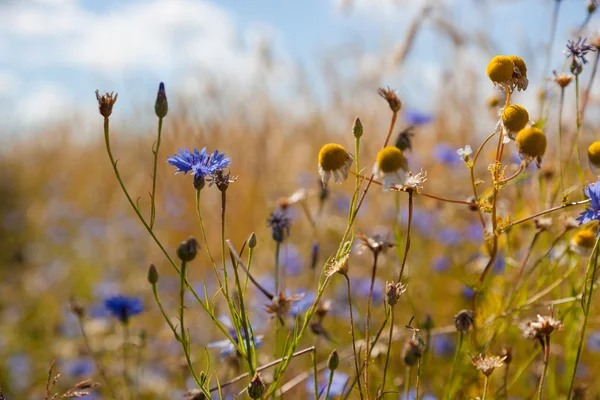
x=334 y=161
x=415 y=182
x=487 y=365
x=340 y=266
x=531 y=143
x=106 y=102
x=543 y=224
x=594 y=156
x=411 y=352
x=514 y=118
x=404 y=139
x=463 y=320
x=221 y=180
x=543 y=327
x=256 y=387
x=376 y=244
x=393 y=291
x=563 y=80
x=391 y=167
x=391 y=97
x=281 y=304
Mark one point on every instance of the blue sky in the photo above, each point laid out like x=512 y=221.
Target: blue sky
x=55 y=53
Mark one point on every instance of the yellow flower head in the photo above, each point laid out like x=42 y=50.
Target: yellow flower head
x=531 y=143
x=594 y=155
x=583 y=241
x=520 y=73
x=514 y=118
x=520 y=64
x=334 y=160
x=391 y=166
x=500 y=69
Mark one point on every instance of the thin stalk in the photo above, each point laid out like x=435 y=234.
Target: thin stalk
x=353 y=337
x=125 y=357
x=566 y=205
x=407 y=382
x=578 y=132
x=560 y=141
x=586 y=307
x=155 y=154
x=513 y=176
x=183 y=336
x=199 y=213
x=485 y=387
x=586 y=95
x=545 y=370
x=454 y=363
x=313 y=357
x=410 y=213
x=389 y=348
x=418 y=378
x=368 y=324
x=277 y=250
x=331 y=372
x=245 y=322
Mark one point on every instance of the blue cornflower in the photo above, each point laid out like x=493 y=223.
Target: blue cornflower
x=578 y=49
x=291 y=260
x=280 y=223
x=416 y=118
x=199 y=162
x=446 y=154
x=449 y=236
x=592 y=213
x=442 y=345
x=123 y=307
x=441 y=263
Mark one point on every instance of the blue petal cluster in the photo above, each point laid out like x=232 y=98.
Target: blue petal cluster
x=579 y=49
x=123 y=307
x=592 y=213
x=199 y=162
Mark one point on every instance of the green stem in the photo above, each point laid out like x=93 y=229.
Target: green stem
x=560 y=141
x=277 y=250
x=578 y=132
x=586 y=307
x=153 y=196
x=407 y=246
x=313 y=356
x=125 y=356
x=245 y=321
x=355 y=353
x=368 y=324
x=407 y=382
x=331 y=373
x=454 y=363
x=389 y=349
x=545 y=370
x=485 y=387
x=183 y=336
x=418 y=376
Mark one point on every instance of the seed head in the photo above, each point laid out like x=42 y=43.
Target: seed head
x=487 y=364
x=531 y=143
x=463 y=320
x=221 y=180
x=340 y=266
x=188 y=249
x=281 y=304
x=334 y=360
x=252 y=240
x=256 y=387
x=376 y=244
x=393 y=291
x=391 y=97
x=411 y=352
x=543 y=327
x=152 y=274
x=106 y=102
x=161 y=107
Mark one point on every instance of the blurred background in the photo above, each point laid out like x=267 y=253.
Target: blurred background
x=268 y=83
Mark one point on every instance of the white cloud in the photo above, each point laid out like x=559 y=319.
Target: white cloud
x=9 y=84
x=49 y=102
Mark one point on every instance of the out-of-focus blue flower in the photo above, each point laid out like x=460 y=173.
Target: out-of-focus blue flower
x=79 y=368
x=227 y=349
x=291 y=260
x=416 y=118
x=337 y=384
x=592 y=212
x=302 y=305
x=446 y=154
x=199 y=162
x=19 y=367
x=474 y=232
x=593 y=342
x=279 y=222
x=362 y=287
x=124 y=307
x=467 y=293
x=412 y=395
x=422 y=221
x=442 y=345
x=449 y=236
x=441 y=263
x=499 y=263
x=578 y=49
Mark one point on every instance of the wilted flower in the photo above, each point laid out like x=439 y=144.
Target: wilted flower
x=279 y=222
x=106 y=102
x=487 y=364
x=562 y=79
x=508 y=73
x=578 y=49
x=393 y=291
x=415 y=182
x=340 y=266
x=281 y=304
x=334 y=161
x=376 y=244
x=463 y=320
x=221 y=180
x=543 y=327
x=391 y=167
x=592 y=212
x=123 y=307
x=391 y=97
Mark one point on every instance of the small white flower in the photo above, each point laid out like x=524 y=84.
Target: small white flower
x=416 y=181
x=465 y=152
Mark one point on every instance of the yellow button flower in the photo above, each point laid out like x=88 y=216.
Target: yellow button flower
x=531 y=143
x=583 y=241
x=514 y=118
x=594 y=156
x=334 y=161
x=391 y=166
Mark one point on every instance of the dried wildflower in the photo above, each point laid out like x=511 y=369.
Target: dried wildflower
x=393 y=291
x=334 y=360
x=583 y=242
x=187 y=250
x=415 y=182
x=578 y=50
x=543 y=327
x=376 y=244
x=279 y=222
x=594 y=156
x=106 y=102
x=152 y=274
x=465 y=153
x=322 y=309
x=519 y=76
x=414 y=348
x=80 y=389
x=340 y=266
x=514 y=118
x=281 y=304
x=391 y=167
x=592 y=212
x=124 y=307
x=334 y=161
x=404 y=139
x=543 y=224
x=221 y=180
x=463 y=320
x=256 y=387
x=487 y=364
x=76 y=308
x=161 y=106
x=531 y=143
x=391 y=97
x=357 y=128
x=562 y=79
